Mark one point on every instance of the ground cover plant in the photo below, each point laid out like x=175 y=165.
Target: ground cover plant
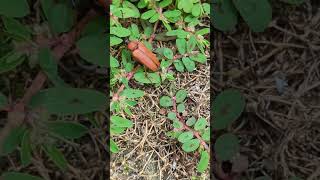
x=53 y=62
x=176 y=32
x=263 y=76
x=257 y=14
x=194 y=134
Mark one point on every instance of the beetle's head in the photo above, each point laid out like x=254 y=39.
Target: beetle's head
x=133 y=45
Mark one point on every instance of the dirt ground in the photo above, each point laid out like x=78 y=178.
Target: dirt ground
x=278 y=72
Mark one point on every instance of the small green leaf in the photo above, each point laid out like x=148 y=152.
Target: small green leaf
x=227 y=107
x=206 y=8
x=172 y=116
x=203 y=31
x=3 y=101
x=12 y=140
x=172 y=13
x=173 y=134
x=131 y=103
x=49 y=66
x=189 y=18
x=177 y=124
x=56 y=156
x=115 y=40
x=113 y=146
x=148 y=31
x=121 y=122
x=18 y=176
x=191 y=121
x=204 y=162
x=132 y=7
x=225 y=17
x=92 y=48
x=125 y=13
x=206 y=135
x=186 y=5
x=165 y=3
x=194 y=22
x=25 y=151
x=147 y=78
x=185 y=136
x=178 y=65
x=189 y=64
x=115 y=130
x=148 y=14
x=165 y=64
x=191 y=44
x=181 y=95
x=226 y=146
x=68 y=101
x=166 y=101
x=132 y=93
x=14 y=8
x=120 y=31
x=154 y=18
x=200 y=124
x=11 y=61
x=148 y=45
x=142 y=4
x=95 y=26
x=181 y=107
x=68 y=130
x=116 y=3
x=191 y=145
x=181 y=45
x=61 y=18
x=196 y=10
x=168 y=53
x=178 y=32
x=114 y=62
x=257 y=14
x=46 y=6
x=135 y=33
x=17 y=29
x=201 y=58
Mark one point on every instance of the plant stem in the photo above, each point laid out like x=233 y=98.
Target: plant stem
x=153 y=35
x=128 y=76
x=195 y=133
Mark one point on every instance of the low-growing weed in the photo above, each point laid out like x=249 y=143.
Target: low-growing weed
x=257 y=14
x=192 y=133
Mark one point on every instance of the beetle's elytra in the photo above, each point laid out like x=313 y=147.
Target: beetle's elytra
x=143 y=55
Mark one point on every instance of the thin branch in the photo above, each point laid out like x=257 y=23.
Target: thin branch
x=128 y=76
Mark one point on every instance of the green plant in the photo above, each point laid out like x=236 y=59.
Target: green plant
x=118 y=126
x=139 y=20
x=192 y=133
x=227 y=107
x=257 y=14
